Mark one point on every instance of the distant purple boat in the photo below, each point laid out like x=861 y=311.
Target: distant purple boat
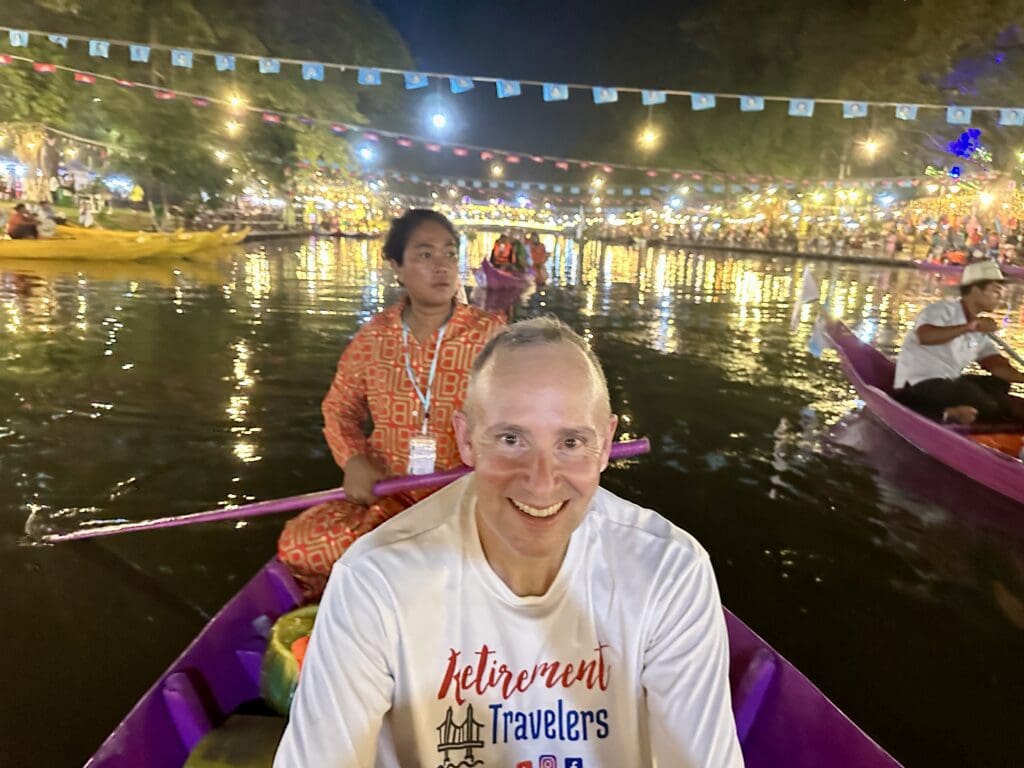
x=1010 y=270
x=783 y=721
x=872 y=375
x=490 y=276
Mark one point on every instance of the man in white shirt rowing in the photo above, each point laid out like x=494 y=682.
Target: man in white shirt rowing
x=523 y=616
x=948 y=336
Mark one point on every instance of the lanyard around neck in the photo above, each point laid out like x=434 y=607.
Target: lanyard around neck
x=424 y=397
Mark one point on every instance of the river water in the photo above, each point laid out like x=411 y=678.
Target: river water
x=130 y=391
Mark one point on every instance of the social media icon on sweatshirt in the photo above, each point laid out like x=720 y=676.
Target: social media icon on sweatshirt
x=547 y=761
x=574 y=762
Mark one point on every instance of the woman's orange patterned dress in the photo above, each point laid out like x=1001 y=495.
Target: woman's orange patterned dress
x=371 y=389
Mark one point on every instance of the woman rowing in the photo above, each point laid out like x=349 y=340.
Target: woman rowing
x=405 y=373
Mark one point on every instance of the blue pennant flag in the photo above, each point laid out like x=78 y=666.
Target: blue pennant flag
x=574 y=190
x=460 y=84
x=312 y=71
x=557 y=189
x=510 y=184
x=507 y=88
x=801 y=107
x=181 y=58
x=224 y=62
x=368 y=76
x=718 y=188
x=699 y=101
x=493 y=184
x=60 y=40
x=270 y=66
x=649 y=98
x=906 y=111
x=751 y=103
x=645 y=191
x=18 y=38
x=556 y=91
x=414 y=179
x=609 y=190
x=1011 y=116
x=854 y=109
x=414 y=80
x=139 y=53
x=477 y=184
x=460 y=182
x=958 y=115
x=542 y=187
x=99 y=49
x=626 y=192
x=604 y=95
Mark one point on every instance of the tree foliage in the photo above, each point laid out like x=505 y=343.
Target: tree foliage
x=927 y=51
x=172 y=143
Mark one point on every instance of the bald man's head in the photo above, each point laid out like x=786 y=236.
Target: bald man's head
x=535 y=334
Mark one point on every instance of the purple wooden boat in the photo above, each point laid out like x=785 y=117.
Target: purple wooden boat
x=782 y=719
x=872 y=375
x=1010 y=270
x=489 y=276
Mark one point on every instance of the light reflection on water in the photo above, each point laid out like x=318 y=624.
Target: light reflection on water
x=137 y=390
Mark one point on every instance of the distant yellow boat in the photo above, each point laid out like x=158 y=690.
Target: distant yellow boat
x=110 y=245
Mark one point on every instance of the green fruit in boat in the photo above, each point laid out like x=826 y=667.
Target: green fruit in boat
x=279 y=673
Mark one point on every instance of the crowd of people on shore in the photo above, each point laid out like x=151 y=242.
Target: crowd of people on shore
x=943 y=242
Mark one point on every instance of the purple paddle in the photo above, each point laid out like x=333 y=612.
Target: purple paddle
x=389 y=487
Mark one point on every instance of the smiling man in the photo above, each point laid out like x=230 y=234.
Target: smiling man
x=523 y=616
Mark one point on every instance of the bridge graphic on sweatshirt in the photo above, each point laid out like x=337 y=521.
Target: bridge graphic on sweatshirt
x=461 y=737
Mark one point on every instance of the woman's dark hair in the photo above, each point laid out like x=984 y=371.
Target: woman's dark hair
x=402 y=229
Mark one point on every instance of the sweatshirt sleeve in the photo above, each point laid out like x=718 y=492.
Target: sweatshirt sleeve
x=345 y=407
x=686 y=673
x=346 y=684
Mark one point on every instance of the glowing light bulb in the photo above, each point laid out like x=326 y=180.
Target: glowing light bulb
x=648 y=138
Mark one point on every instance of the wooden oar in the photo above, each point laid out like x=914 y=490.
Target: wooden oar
x=387 y=487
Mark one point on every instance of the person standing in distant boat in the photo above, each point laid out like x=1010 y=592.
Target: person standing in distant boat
x=948 y=336
x=398 y=383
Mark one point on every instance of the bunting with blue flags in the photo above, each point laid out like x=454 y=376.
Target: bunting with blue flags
x=414 y=80
x=854 y=109
x=958 y=115
x=603 y=95
x=801 y=107
x=312 y=71
x=906 y=112
x=460 y=84
x=60 y=40
x=99 y=49
x=18 y=38
x=751 y=103
x=269 y=66
x=555 y=91
x=649 y=98
x=368 y=76
x=700 y=101
x=181 y=58
x=1011 y=116
x=224 y=62
x=508 y=88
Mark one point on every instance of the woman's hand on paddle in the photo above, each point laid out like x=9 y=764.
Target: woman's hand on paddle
x=361 y=474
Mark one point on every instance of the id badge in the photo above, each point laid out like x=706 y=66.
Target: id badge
x=422 y=455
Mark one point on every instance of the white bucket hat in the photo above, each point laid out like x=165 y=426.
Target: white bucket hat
x=981 y=271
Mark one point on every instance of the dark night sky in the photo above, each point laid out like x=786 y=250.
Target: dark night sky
x=599 y=42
